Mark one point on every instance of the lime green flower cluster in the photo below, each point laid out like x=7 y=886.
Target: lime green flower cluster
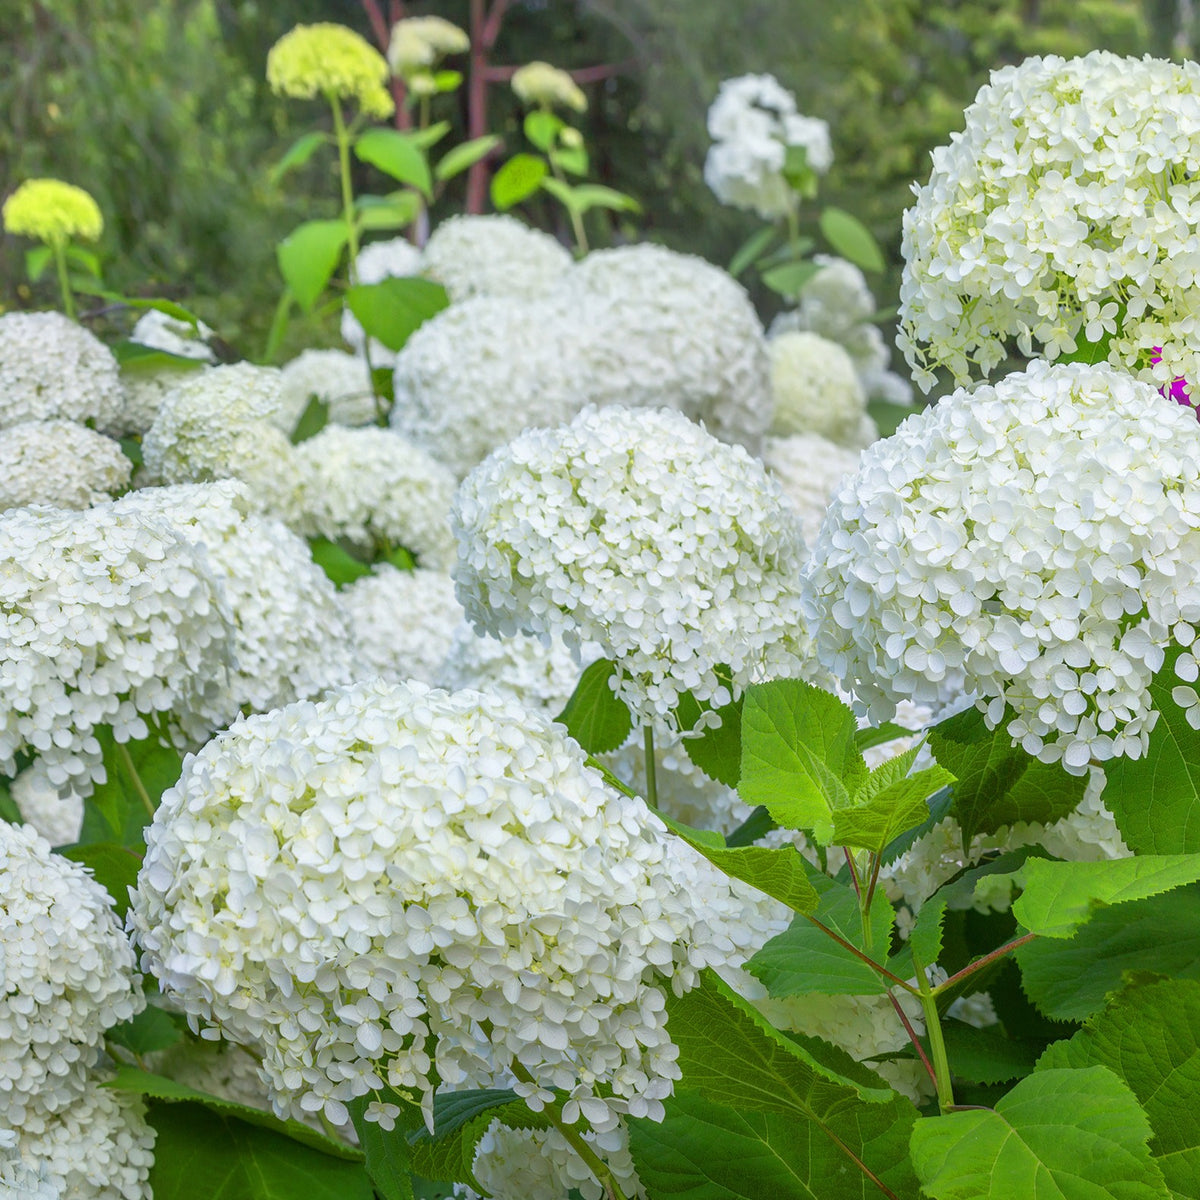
x=52 y=212
x=331 y=61
x=538 y=83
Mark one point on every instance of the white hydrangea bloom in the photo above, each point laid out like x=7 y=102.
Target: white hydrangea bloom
x=541 y=675
x=337 y=378
x=1065 y=210
x=61 y=463
x=376 y=489
x=145 y=390
x=52 y=367
x=538 y=1164
x=401 y=623
x=19 y=1181
x=68 y=974
x=810 y=468
x=493 y=255
x=217 y=424
x=290 y=638
x=173 y=335
x=110 y=614
x=99 y=1148
x=1033 y=543
x=817 y=390
x=478 y=373
x=753 y=123
x=392 y=258
x=671 y=329
x=44 y=807
x=636 y=530
x=421 y=862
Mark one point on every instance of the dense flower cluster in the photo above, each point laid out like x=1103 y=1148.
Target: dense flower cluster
x=147 y=385
x=401 y=622
x=493 y=256
x=635 y=529
x=389 y=259
x=52 y=211
x=331 y=61
x=417 y=43
x=374 y=488
x=1064 y=211
x=810 y=468
x=538 y=83
x=110 y=614
x=68 y=974
x=44 y=807
x=18 y=1180
x=817 y=390
x=1033 y=543
x=338 y=379
x=60 y=463
x=52 y=367
x=173 y=335
x=754 y=124
x=356 y=885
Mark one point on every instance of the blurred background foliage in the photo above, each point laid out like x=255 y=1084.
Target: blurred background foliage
x=160 y=109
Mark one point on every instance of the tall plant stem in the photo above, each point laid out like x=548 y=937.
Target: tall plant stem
x=937 y=1044
x=581 y=242
x=60 y=266
x=651 y=767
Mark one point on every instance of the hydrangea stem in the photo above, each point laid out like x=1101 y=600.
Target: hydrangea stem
x=937 y=1044
x=138 y=785
x=651 y=767
x=64 y=283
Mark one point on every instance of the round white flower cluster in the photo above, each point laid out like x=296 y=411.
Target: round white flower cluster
x=52 y=367
x=290 y=638
x=493 y=256
x=1034 y=544
x=810 y=469
x=110 y=614
x=333 y=376
x=146 y=387
x=217 y=424
x=360 y=885
x=671 y=329
x=376 y=489
x=817 y=390
x=393 y=258
x=754 y=123
x=58 y=817
x=60 y=463
x=479 y=372
x=1065 y=210
x=675 y=553
x=18 y=1180
x=401 y=623
x=68 y=974
x=540 y=675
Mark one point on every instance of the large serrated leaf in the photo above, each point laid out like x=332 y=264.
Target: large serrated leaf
x=308 y=257
x=877 y=816
x=594 y=715
x=398 y=155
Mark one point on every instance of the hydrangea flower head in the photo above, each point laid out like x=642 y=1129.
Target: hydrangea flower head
x=637 y=530
x=817 y=390
x=61 y=463
x=331 y=61
x=53 y=212
x=1064 y=212
x=422 y=864
x=493 y=255
x=538 y=83
x=1034 y=544
x=417 y=43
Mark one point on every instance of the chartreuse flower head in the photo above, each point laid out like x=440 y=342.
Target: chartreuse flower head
x=332 y=61
x=538 y=83
x=53 y=212
x=417 y=43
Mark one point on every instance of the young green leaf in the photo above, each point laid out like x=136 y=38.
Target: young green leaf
x=752 y=249
x=572 y=159
x=887 y=803
x=394 y=211
x=517 y=180
x=36 y=262
x=398 y=155
x=308 y=257
x=115 y=868
x=393 y=309
x=594 y=716
x=850 y=238
x=339 y=565
x=300 y=151
x=135 y=356
x=312 y=420
x=542 y=127
x=465 y=156
x=587 y=196
x=789 y=279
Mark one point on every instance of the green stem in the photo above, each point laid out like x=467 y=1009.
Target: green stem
x=138 y=785
x=60 y=266
x=937 y=1044
x=651 y=767
x=423 y=108
x=876 y=967
x=595 y=1163
x=793 y=226
x=864 y=900
x=581 y=242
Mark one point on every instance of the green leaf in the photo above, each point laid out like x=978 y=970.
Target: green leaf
x=1057 y=1135
x=115 y=868
x=398 y=155
x=447 y=81
x=850 y=238
x=85 y=258
x=1150 y=1037
x=998 y=784
x=517 y=180
x=1070 y=980
x=888 y=416
x=790 y=279
x=1155 y=799
x=300 y=151
x=308 y=257
x=870 y=736
x=587 y=196
x=572 y=159
x=542 y=127
x=805 y=959
x=137 y=774
x=135 y=356
x=393 y=310
x=465 y=156
x=8 y=806
x=986 y=1055
x=37 y=260
x=152 y=1029
x=394 y=211
x=879 y=813
x=757 y=825
x=751 y=249
x=200 y=1154
x=1061 y=896
x=716 y=749
x=425 y=138
x=780 y=872
x=339 y=565
x=389 y=1158
x=312 y=420
x=799 y=757
x=594 y=716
